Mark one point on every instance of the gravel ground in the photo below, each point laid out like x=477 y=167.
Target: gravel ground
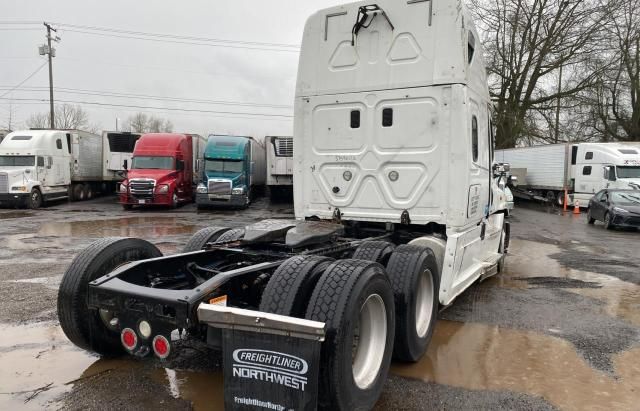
x=559 y=329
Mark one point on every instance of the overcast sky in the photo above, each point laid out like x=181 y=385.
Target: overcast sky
x=159 y=68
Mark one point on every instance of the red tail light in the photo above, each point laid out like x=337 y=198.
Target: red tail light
x=161 y=346
x=129 y=339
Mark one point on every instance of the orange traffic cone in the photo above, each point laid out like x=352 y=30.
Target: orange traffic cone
x=576 y=207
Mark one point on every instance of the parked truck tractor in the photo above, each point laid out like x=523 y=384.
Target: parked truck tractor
x=164 y=170
x=37 y=166
x=397 y=212
x=233 y=168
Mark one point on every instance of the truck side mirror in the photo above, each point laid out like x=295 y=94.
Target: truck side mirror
x=180 y=165
x=125 y=165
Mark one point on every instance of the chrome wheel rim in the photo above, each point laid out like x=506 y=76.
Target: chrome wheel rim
x=369 y=340
x=424 y=303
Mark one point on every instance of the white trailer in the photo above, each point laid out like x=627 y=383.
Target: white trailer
x=582 y=169
x=43 y=165
x=117 y=153
x=279 y=165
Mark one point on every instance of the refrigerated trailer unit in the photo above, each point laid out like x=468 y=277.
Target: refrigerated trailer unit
x=43 y=165
x=117 y=153
x=582 y=169
x=397 y=212
x=279 y=166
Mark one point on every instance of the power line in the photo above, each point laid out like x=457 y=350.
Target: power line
x=157 y=40
x=116 y=94
x=158 y=108
x=177 y=37
x=25 y=80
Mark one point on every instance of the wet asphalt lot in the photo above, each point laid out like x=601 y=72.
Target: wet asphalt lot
x=559 y=329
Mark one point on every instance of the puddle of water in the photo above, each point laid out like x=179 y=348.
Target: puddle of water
x=203 y=389
x=481 y=357
x=530 y=259
x=36 y=357
x=15 y=214
x=143 y=227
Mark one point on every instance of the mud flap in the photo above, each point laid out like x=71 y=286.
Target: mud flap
x=270 y=361
x=263 y=371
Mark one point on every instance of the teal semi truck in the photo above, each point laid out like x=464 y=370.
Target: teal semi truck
x=234 y=167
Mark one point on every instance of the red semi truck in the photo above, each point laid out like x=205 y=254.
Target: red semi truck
x=165 y=170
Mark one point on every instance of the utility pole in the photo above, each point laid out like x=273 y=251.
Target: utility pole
x=51 y=53
x=557 y=133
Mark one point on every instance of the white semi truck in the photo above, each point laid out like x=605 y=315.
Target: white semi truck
x=397 y=212
x=582 y=169
x=37 y=166
x=279 y=166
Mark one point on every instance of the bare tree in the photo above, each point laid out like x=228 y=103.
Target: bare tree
x=527 y=43
x=67 y=116
x=615 y=101
x=38 y=120
x=142 y=123
x=10 y=118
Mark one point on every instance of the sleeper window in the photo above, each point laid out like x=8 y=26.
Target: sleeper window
x=586 y=171
x=387 y=117
x=474 y=138
x=59 y=144
x=589 y=155
x=355 y=119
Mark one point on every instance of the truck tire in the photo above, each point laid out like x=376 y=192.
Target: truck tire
x=231 y=235
x=83 y=326
x=203 y=237
x=376 y=251
x=355 y=300
x=414 y=276
x=88 y=191
x=290 y=287
x=35 y=199
x=77 y=192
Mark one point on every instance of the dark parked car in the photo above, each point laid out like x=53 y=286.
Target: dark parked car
x=616 y=208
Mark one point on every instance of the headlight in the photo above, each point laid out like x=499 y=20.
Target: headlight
x=19 y=188
x=202 y=189
x=619 y=210
x=238 y=191
x=123 y=189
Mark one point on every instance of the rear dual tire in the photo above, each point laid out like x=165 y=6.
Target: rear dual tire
x=86 y=327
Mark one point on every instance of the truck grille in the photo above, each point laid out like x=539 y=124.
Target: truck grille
x=4 y=183
x=284 y=146
x=219 y=187
x=142 y=188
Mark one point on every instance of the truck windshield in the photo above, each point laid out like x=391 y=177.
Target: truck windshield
x=628 y=172
x=152 y=163
x=17 y=161
x=224 y=166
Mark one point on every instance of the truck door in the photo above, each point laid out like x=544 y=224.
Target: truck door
x=479 y=187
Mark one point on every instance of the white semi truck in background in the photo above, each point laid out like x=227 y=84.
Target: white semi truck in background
x=582 y=169
x=37 y=166
x=279 y=166
x=397 y=212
